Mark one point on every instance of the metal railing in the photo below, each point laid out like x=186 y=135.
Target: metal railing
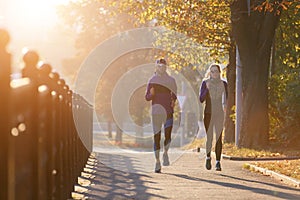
x=42 y=150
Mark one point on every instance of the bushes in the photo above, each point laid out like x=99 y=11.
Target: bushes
x=284 y=107
x=284 y=85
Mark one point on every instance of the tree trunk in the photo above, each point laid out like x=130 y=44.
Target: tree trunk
x=254 y=34
x=229 y=131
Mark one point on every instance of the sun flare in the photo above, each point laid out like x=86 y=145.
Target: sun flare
x=34 y=24
x=32 y=13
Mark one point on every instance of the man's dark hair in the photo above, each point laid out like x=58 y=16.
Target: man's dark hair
x=161 y=61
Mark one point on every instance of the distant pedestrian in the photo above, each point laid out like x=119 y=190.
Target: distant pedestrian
x=161 y=90
x=213 y=92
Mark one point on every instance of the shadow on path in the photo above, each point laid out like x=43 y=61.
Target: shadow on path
x=103 y=181
x=241 y=186
x=264 y=183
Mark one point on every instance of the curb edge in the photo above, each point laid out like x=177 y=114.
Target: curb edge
x=258 y=159
x=278 y=176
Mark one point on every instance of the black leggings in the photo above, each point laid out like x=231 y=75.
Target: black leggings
x=211 y=122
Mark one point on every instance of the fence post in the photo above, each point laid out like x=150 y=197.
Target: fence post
x=44 y=130
x=52 y=144
x=5 y=70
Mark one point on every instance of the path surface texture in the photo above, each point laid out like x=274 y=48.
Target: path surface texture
x=116 y=173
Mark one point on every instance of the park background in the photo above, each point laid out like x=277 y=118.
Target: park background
x=267 y=35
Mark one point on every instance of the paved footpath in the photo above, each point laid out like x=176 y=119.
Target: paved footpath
x=115 y=173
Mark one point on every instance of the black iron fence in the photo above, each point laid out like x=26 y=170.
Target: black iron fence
x=42 y=150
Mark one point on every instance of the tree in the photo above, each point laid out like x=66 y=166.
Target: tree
x=203 y=22
x=110 y=78
x=206 y=23
x=254 y=33
x=93 y=22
